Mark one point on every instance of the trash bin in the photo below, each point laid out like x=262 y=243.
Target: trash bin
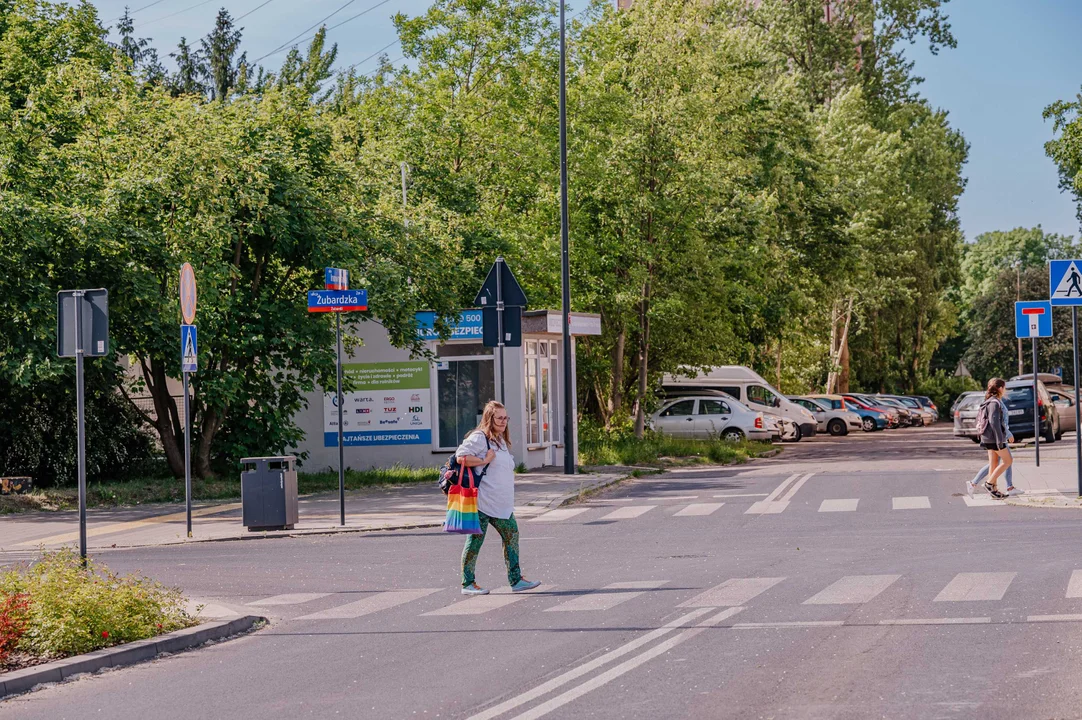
x=268 y=493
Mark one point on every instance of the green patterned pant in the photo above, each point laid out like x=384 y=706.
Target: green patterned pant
x=508 y=530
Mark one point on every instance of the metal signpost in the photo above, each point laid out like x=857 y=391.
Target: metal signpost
x=338 y=298
x=1034 y=320
x=1065 y=290
x=189 y=363
x=501 y=300
x=82 y=330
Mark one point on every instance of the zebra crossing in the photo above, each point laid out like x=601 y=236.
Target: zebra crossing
x=847 y=591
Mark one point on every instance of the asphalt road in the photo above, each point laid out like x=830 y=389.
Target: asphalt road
x=847 y=578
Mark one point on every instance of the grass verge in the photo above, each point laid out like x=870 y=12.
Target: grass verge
x=140 y=491
x=599 y=448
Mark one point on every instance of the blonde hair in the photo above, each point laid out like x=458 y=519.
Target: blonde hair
x=488 y=424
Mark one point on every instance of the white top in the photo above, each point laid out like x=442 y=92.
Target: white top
x=496 y=492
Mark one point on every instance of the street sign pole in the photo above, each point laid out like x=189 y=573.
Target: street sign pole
x=1077 y=409
x=341 y=435
x=499 y=324
x=1036 y=411
x=187 y=454
x=565 y=275
x=80 y=389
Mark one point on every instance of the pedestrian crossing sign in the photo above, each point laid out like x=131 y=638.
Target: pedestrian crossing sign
x=189 y=349
x=1065 y=282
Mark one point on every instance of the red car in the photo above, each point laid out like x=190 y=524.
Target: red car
x=891 y=413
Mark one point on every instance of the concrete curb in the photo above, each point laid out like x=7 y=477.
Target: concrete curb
x=21 y=681
x=1047 y=501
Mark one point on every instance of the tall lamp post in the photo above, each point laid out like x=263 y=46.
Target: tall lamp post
x=569 y=390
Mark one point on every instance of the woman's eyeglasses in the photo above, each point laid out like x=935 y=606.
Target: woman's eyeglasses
x=500 y=419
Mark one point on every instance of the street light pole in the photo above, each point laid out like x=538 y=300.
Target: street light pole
x=569 y=390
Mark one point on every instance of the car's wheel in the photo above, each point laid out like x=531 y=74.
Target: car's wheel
x=868 y=424
x=799 y=434
x=732 y=435
x=1050 y=436
x=837 y=427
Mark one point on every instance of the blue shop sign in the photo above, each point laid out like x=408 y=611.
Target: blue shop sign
x=469 y=326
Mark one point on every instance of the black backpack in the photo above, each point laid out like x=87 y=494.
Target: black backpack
x=452 y=471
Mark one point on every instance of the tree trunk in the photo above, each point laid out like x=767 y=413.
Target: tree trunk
x=644 y=362
x=843 y=373
x=616 y=390
x=167 y=420
x=778 y=386
x=212 y=421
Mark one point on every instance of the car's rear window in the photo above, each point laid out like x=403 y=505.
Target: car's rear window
x=1019 y=395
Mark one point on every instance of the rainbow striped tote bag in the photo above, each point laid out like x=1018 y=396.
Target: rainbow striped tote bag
x=462 y=517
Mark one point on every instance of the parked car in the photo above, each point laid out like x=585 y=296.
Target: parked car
x=926 y=403
x=786 y=430
x=927 y=417
x=965 y=415
x=748 y=387
x=870 y=420
x=1052 y=382
x=907 y=416
x=1019 y=400
x=709 y=417
x=865 y=403
x=835 y=422
x=964 y=396
x=1064 y=403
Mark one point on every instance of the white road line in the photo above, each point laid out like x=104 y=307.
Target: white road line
x=840 y=505
x=1074 y=586
x=626 y=513
x=781 y=488
x=369 y=605
x=696 y=509
x=733 y=592
x=729 y=495
x=575 y=673
x=791 y=624
x=1054 y=618
x=852 y=589
x=772 y=505
x=800 y=483
x=970 y=587
x=982 y=501
x=766 y=507
x=624 y=667
x=559 y=514
x=481 y=604
x=602 y=600
x=657 y=498
x=938 y=621
x=911 y=503
x=289 y=599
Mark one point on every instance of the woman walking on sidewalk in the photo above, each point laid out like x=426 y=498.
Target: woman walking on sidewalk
x=993 y=429
x=982 y=474
x=490 y=445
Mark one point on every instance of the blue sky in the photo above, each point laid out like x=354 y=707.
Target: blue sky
x=1013 y=58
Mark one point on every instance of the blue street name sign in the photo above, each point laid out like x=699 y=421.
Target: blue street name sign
x=336 y=278
x=337 y=300
x=1065 y=282
x=1033 y=319
x=189 y=349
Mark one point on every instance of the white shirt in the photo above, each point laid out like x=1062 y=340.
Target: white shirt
x=496 y=492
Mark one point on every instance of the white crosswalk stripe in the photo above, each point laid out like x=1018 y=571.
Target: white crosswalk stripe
x=1074 y=585
x=911 y=503
x=697 y=509
x=732 y=592
x=289 y=599
x=559 y=514
x=481 y=604
x=970 y=587
x=982 y=501
x=626 y=513
x=839 y=505
x=852 y=589
x=373 y=603
x=608 y=597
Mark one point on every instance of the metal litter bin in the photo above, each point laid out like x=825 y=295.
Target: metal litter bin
x=268 y=493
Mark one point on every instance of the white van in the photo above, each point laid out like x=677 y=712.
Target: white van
x=748 y=387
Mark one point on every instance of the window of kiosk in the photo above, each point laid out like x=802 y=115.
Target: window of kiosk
x=465 y=381
x=541 y=372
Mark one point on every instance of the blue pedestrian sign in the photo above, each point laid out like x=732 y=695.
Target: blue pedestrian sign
x=1065 y=282
x=1033 y=319
x=189 y=349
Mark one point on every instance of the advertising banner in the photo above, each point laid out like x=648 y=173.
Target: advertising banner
x=390 y=406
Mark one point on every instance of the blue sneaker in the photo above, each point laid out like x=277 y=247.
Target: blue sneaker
x=523 y=585
x=474 y=589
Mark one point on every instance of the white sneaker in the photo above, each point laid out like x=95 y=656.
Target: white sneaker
x=969 y=488
x=1015 y=491
x=474 y=589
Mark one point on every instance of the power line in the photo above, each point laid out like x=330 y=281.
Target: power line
x=362 y=62
x=132 y=12
x=289 y=42
x=261 y=5
x=179 y=12
x=332 y=27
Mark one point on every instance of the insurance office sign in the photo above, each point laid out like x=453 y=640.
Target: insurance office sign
x=391 y=406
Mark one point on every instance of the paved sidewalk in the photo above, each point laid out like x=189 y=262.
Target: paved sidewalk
x=376 y=508
x=1055 y=482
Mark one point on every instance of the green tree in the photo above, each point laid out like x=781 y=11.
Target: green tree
x=191 y=69
x=993 y=252
x=219 y=49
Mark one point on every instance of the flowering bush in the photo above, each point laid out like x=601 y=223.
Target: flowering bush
x=13 y=619
x=73 y=609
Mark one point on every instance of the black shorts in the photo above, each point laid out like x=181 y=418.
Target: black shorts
x=994 y=446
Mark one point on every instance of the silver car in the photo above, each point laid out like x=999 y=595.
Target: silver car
x=835 y=422
x=709 y=417
x=965 y=416
x=1065 y=404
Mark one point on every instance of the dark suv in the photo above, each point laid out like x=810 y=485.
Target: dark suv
x=1019 y=400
